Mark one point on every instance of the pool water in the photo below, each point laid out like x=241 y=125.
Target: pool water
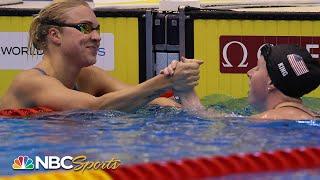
x=150 y=134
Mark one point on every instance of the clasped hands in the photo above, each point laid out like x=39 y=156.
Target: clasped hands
x=184 y=74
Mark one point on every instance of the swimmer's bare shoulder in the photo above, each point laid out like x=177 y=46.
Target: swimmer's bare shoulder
x=18 y=92
x=31 y=81
x=281 y=113
x=31 y=89
x=269 y=115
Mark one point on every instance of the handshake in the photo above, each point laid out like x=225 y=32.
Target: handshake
x=183 y=74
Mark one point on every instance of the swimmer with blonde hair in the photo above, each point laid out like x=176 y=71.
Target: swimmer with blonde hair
x=68 y=34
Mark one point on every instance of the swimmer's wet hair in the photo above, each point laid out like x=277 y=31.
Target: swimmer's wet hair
x=54 y=12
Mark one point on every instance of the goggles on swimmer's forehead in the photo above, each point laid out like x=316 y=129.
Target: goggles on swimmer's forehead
x=85 y=28
x=266 y=51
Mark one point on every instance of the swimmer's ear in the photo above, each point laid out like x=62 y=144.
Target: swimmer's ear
x=270 y=87
x=54 y=36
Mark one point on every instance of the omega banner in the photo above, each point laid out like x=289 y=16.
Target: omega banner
x=238 y=54
x=14 y=53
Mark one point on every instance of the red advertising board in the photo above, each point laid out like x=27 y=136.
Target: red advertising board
x=238 y=54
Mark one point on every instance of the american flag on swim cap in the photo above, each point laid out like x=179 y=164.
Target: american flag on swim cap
x=297 y=64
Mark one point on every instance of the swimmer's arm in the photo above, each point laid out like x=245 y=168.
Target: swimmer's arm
x=97 y=82
x=191 y=102
x=51 y=93
x=136 y=96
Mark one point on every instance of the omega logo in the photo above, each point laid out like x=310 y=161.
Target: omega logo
x=244 y=63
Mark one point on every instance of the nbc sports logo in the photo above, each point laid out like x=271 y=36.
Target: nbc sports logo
x=23 y=162
x=48 y=162
x=78 y=163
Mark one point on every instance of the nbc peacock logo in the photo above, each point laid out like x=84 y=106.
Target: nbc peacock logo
x=23 y=162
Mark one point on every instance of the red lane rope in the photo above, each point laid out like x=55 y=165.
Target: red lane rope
x=280 y=160
x=24 y=111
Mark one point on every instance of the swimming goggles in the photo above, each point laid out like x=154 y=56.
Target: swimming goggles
x=85 y=28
